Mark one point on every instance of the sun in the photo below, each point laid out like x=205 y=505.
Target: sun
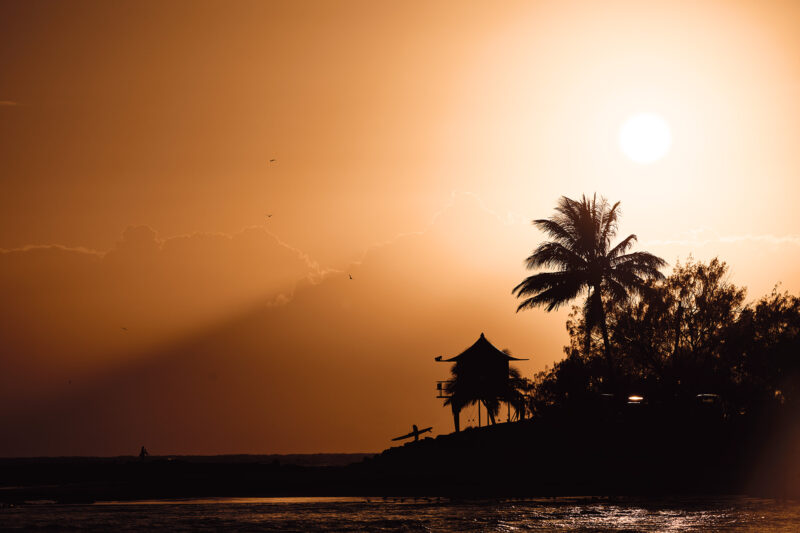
x=645 y=138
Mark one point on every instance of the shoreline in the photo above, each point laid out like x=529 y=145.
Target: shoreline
x=565 y=455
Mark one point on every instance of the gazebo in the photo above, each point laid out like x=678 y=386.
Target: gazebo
x=480 y=374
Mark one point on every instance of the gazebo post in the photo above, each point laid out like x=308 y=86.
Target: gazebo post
x=479 y=414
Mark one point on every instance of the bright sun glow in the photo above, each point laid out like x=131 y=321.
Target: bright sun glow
x=645 y=138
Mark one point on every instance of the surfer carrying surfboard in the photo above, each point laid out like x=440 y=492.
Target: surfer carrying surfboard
x=415 y=432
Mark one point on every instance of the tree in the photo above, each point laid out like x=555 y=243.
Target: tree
x=519 y=394
x=466 y=389
x=584 y=261
x=675 y=336
x=763 y=352
x=686 y=335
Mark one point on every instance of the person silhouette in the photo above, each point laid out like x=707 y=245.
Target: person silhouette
x=415 y=432
x=143 y=453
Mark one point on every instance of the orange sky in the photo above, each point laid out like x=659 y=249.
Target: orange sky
x=414 y=142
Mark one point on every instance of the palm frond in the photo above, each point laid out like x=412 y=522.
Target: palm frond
x=616 y=290
x=555 y=254
x=640 y=263
x=556 y=231
x=622 y=246
x=608 y=220
x=631 y=281
x=549 y=280
x=553 y=297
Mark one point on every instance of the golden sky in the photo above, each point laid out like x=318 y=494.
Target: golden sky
x=413 y=143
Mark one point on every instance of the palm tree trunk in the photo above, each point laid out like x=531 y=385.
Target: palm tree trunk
x=489 y=415
x=606 y=343
x=612 y=374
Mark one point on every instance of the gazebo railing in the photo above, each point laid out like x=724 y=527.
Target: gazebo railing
x=441 y=389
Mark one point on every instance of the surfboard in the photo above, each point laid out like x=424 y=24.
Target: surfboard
x=413 y=433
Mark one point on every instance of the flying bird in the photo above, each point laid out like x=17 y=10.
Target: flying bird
x=269 y=216
x=351 y=276
x=272 y=160
x=124 y=328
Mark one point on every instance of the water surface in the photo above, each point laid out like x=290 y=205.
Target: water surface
x=376 y=514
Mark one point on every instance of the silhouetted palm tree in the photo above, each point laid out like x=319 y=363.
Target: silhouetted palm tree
x=518 y=393
x=463 y=391
x=469 y=390
x=584 y=260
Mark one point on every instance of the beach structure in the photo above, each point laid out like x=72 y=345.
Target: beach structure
x=480 y=374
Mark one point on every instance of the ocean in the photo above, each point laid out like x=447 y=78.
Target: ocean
x=585 y=514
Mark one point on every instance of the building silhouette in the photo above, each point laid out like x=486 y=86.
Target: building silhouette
x=480 y=375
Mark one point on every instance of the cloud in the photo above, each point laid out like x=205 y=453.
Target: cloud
x=756 y=260
x=459 y=200
x=706 y=236
x=251 y=259
x=767 y=238
x=8 y=103
x=64 y=309
x=33 y=248
x=339 y=365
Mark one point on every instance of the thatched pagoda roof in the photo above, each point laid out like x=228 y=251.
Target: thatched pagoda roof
x=481 y=350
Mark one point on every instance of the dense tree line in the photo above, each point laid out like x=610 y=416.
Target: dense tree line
x=666 y=339
x=687 y=335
